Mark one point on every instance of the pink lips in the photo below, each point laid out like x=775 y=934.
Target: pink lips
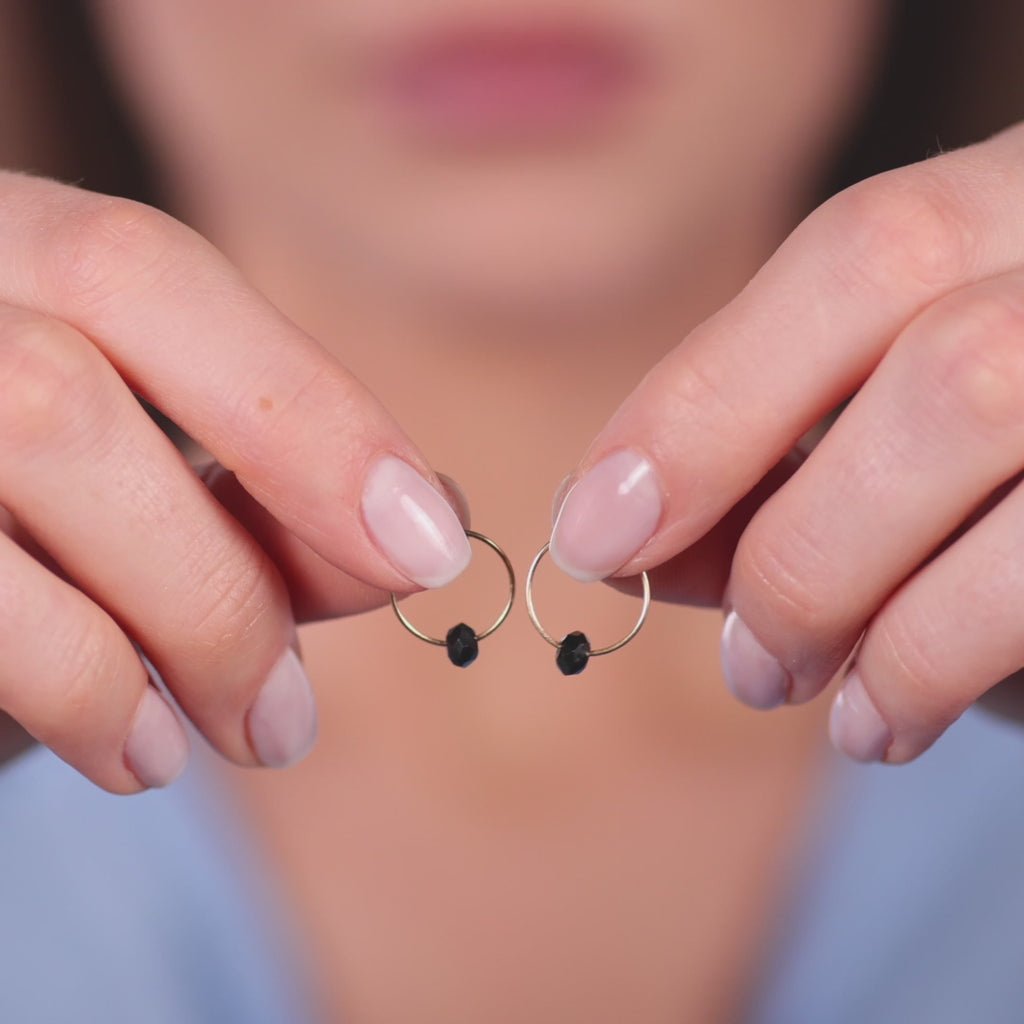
x=511 y=84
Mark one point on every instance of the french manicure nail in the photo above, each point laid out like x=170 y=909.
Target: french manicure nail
x=855 y=726
x=282 y=720
x=753 y=675
x=607 y=516
x=412 y=524
x=156 y=750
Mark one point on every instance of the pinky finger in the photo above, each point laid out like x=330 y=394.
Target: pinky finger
x=73 y=681
x=946 y=637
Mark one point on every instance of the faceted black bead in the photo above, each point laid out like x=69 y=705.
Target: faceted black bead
x=462 y=645
x=573 y=654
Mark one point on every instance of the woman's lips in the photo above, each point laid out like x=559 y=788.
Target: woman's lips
x=490 y=85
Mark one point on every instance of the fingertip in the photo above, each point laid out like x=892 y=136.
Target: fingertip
x=856 y=726
x=282 y=722
x=413 y=524
x=456 y=497
x=559 y=499
x=157 y=747
x=607 y=516
x=753 y=675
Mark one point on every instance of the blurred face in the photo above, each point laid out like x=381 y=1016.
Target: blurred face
x=566 y=156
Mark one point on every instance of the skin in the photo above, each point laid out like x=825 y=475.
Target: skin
x=837 y=552
x=68 y=342
x=390 y=255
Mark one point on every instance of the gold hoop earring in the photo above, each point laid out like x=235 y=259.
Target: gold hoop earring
x=574 y=650
x=461 y=640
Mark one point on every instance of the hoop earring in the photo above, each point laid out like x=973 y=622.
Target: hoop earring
x=461 y=640
x=574 y=650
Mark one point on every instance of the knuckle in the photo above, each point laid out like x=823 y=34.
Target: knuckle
x=780 y=568
x=85 y=665
x=977 y=356
x=697 y=398
x=272 y=421
x=232 y=597
x=904 y=228
x=103 y=248
x=908 y=653
x=49 y=389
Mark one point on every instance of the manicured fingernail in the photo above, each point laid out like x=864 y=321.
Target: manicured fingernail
x=412 y=524
x=560 y=492
x=753 y=675
x=855 y=726
x=156 y=750
x=282 y=720
x=607 y=516
x=456 y=497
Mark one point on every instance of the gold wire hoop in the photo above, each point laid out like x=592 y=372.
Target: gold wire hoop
x=497 y=622
x=558 y=643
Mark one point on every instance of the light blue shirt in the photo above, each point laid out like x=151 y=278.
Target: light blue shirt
x=148 y=909
x=907 y=905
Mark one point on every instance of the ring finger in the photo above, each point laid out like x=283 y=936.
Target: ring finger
x=949 y=634
x=937 y=427
x=72 y=679
x=104 y=492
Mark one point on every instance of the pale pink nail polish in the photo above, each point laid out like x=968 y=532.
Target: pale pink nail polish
x=607 y=516
x=855 y=726
x=156 y=750
x=753 y=675
x=560 y=492
x=282 y=720
x=412 y=524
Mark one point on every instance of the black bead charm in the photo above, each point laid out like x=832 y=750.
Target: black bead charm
x=573 y=654
x=462 y=645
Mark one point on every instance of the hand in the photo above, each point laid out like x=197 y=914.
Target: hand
x=902 y=534
x=110 y=542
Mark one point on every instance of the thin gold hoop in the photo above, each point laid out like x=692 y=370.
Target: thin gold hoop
x=461 y=640
x=574 y=649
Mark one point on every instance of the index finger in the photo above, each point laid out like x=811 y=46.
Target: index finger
x=712 y=418
x=187 y=333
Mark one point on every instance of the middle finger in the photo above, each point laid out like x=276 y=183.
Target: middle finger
x=104 y=492
x=933 y=432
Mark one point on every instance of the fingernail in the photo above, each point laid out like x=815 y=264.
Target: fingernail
x=282 y=720
x=607 y=516
x=412 y=524
x=456 y=498
x=156 y=750
x=855 y=726
x=559 y=498
x=753 y=675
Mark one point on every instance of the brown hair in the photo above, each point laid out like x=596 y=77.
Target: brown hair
x=950 y=73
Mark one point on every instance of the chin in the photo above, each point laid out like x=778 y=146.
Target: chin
x=531 y=276
x=560 y=256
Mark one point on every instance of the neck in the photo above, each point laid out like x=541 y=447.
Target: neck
x=508 y=414
x=505 y=408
